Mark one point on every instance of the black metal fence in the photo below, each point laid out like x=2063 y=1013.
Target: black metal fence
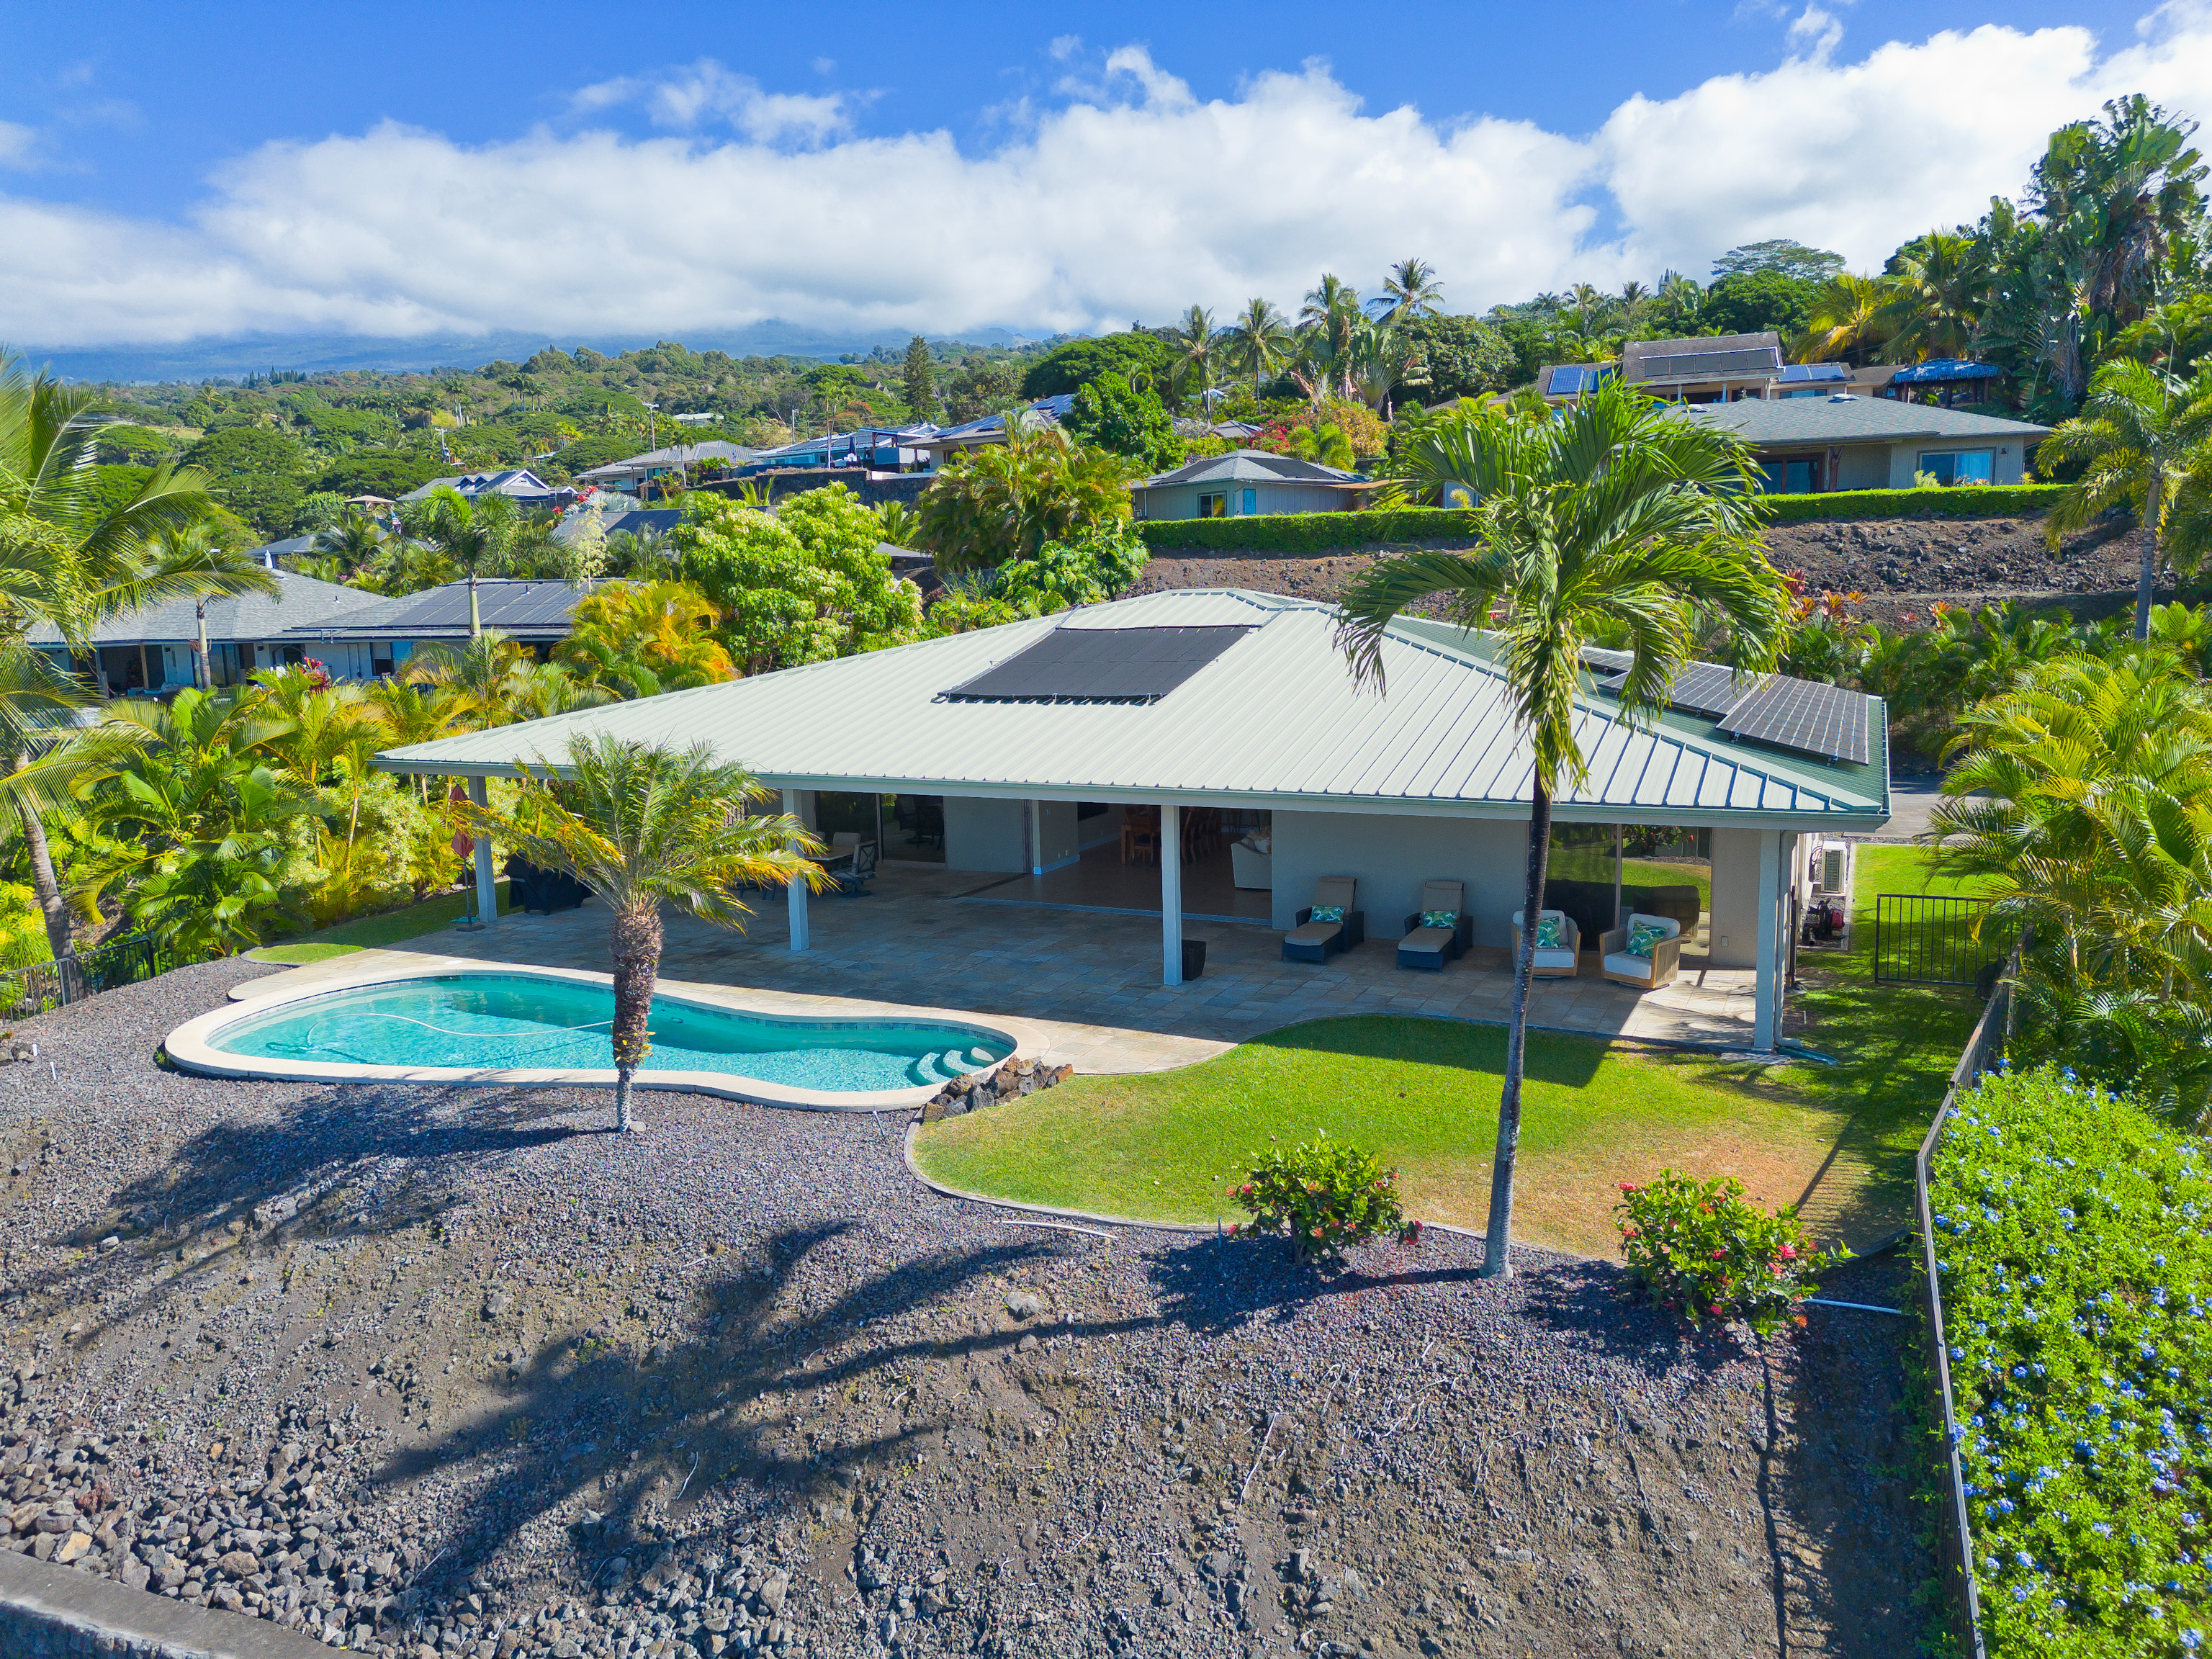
x=1955 y=1535
x=1920 y=939
x=32 y=990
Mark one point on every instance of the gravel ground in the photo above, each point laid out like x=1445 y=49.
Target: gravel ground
x=1969 y=561
x=457 y=1372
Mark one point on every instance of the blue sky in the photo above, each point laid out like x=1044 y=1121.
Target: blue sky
x=408 y=167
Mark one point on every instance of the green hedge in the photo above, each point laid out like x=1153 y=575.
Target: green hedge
x=1964 y=502
x=1327 y=532
x=1310 y=532
x=2077 y=1295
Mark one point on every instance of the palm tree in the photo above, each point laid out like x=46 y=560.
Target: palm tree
x=486 y=675
x=2141 y=435
x=355 y=541
x=1193 y=340
x=1853 y=316
x=1410 y=290
x=1935 y=298
x=194 y=553
x=643 y=827
x=1614 y=514
x=1328 y=322
x=1258 y=342
x=472 y=534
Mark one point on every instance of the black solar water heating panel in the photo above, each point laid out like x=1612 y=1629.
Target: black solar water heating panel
x=1099 y=665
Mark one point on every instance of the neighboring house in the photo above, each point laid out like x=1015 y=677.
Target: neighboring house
x=379 y=638
x=523 y=486
x=151 y=650
x=1718 y=369
x=1846 y=442
x=636 y=520
x=675 y=458
x=986 y=752
x=1246 y=482
x=876 y=449
x=947 y=442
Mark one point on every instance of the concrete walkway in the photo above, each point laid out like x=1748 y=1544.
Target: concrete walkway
x=1093 y=979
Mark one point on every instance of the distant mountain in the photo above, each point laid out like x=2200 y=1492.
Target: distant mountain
x=248 y=354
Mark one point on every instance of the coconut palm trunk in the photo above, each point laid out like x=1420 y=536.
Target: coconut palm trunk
x=1497 y=1242
x=2146 y=574
x=636 y=948
x=53 y=909
x=201 y=665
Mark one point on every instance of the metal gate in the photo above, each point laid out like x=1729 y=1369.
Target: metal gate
x=28 y=991
x=1920 y=939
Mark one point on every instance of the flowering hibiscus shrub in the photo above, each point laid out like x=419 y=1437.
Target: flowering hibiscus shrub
x=2077 y=1299
x=1708 y=1252
x=1322 y=1196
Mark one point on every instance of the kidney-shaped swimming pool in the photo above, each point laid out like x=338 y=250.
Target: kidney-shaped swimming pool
x=465 y=1023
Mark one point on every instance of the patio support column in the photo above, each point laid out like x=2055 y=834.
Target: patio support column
x=487 y=877
x=795 y=894
x=1170 y=893
x=1036 y=837
x=1766 y=1025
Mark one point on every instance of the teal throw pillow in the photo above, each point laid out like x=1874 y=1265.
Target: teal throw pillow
x=1439 y=918
x=1643 y=936
x=1547 y=935
x=1326 y=913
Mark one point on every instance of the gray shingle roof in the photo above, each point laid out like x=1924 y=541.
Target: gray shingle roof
x=714 y=449
x=521 y=610
x=1766 y=421
x=300 y=601
x=1252 y=466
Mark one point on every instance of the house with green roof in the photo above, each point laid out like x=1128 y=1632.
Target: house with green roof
x=1033 y=748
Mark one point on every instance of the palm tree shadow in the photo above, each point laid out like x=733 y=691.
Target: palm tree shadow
x=351 y=1162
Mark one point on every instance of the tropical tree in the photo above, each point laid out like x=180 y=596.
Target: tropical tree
x=472 y=535
x=664 y=629
x=1936 y=288
x=1258 y=343
x=643 y=828
x=1194 y=338
x=1410 y=290
x=1853 y=318
x=1612 y=516
x=2139 y=437
x=1003 y=501
x=2082 y=796
x=1328 y=323
x=484 y=675
x=196 y=553
x=355 y=541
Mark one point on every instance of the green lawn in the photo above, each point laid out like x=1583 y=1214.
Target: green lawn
x=1838 y=1139
x=432 y=915
x=1658 y=872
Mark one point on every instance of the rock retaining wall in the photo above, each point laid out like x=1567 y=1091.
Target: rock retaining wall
x=46 y=1610
x=981 y=1088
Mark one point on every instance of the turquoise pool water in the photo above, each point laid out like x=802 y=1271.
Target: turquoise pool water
x=513 y=1021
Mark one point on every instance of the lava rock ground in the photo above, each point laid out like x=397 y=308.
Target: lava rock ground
x=458 y=1372
x=1965 y=561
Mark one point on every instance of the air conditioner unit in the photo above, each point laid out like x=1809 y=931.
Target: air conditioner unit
x=1835 y=866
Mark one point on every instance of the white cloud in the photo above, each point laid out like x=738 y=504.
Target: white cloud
x=15 y=142
x=704 y=92
x=1128 y=198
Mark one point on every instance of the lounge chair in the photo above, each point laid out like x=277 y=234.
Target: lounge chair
x=1431 y=947
x=1553 y=961
x=852 y=881
x=1644 y=973
x=1315 y=940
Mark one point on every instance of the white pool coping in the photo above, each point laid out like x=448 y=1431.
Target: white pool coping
x=191 y=1044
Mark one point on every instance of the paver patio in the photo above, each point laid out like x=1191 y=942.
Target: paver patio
x=1094 y=973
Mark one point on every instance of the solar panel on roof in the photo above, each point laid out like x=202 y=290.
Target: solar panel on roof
x=1800 y=374
x=1710 y=688
x=1099 y=665
x=1805 y=715
x=1566 y=380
